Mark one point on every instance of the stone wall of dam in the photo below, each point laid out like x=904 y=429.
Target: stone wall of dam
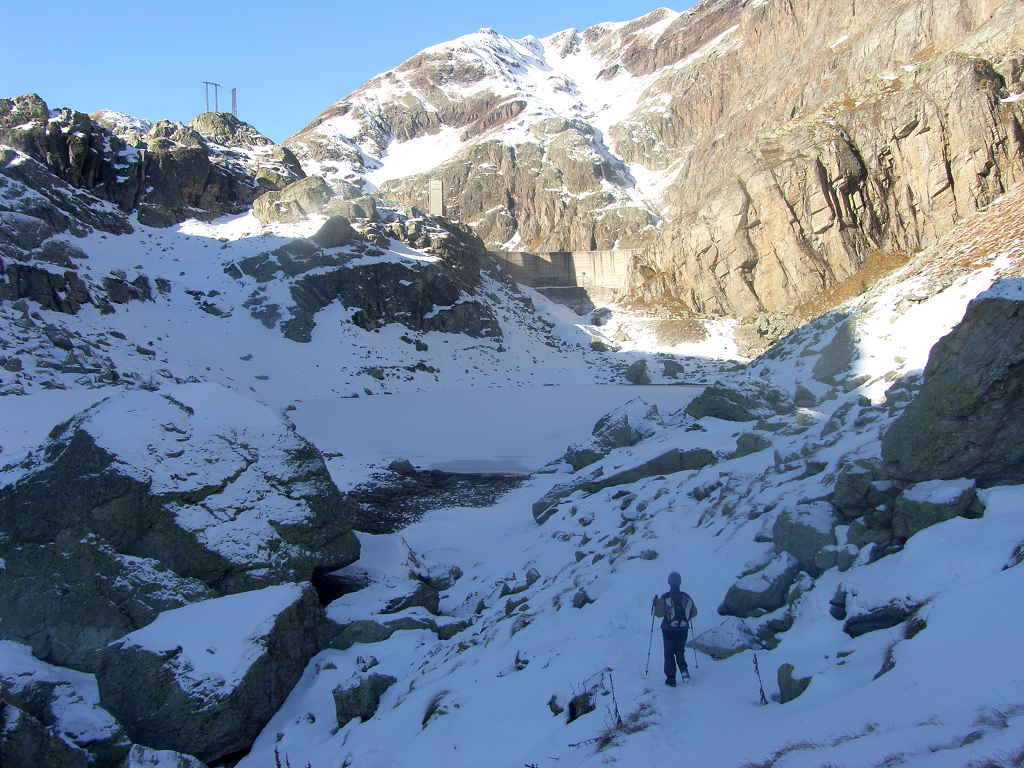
x=599 y=275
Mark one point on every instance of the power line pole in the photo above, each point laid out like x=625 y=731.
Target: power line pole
x=234 y=102
x=216 y=90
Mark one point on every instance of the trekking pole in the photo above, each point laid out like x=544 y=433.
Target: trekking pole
x=650 y=641
x=760 y=684
x=696 y=664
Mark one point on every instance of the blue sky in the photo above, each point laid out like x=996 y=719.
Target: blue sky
x=289 y=60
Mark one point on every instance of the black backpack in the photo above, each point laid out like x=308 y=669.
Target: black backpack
x=676 y=610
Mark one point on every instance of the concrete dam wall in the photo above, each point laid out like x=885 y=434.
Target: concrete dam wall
x=598 y=274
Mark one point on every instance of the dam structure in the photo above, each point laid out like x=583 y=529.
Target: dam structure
x=575 y=278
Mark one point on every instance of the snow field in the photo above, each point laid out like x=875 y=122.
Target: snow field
x=943 y=680
x=953 y=693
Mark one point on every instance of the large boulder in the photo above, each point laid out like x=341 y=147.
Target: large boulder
x=856 y=489
x=804 y=531
x=206 y=678
x=934 y=501
x=880 y=617
x=70 y=597
x=837 y=356
x=636 y=373
x=751 y=402
x=25 y=741
x=58 y=713
x=732 y=635
x=750 y=442
x=361 y=207
x=790 y=687
x=620 y=428
x=671 y=461
x=361 y=699
x=146 y=501
x=762 y=591
x=968 y=419
x=334 y=232
x=293 y=203
x=626 y=425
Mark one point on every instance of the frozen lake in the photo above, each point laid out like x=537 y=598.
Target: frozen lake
x=485 y=430
x=479 y=430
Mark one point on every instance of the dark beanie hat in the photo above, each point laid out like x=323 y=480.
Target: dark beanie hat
x=674 y=579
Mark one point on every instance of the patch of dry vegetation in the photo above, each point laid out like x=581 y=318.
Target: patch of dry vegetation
x=972 y=244
x=877 y=264
x=801 y=746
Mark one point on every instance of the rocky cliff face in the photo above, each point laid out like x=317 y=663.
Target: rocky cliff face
x=877 y=139
x=760 y=150
x=166 y=171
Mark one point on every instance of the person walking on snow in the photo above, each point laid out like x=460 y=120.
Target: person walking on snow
x=675 y=608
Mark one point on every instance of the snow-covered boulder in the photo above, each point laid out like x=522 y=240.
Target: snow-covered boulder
x=25 y=741
x=70 y=597
x=750 y=442
x=144 y=757
x=620 y=428
x=762 y=591
x=671 y=461
x=730 y=637
x=803 y=531
x=56 y=711
x=968 y=419
x=636 y=373
x=934 y=501
x=750 y=402
x=837 y=356
x=204 y=679
x=162 y=493
x=361 y=699
x=790 y=687
x=880 y=617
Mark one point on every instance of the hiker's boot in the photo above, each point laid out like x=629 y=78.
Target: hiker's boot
x=670 y=682
x=686 y=674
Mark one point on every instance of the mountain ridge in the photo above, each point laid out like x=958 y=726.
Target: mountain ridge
x=697 y=141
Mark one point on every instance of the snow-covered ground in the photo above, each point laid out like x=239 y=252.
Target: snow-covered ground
x=955 y=679
x=948 y=692
x=562 y=608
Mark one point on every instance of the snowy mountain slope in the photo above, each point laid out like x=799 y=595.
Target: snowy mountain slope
x=473 y=100
x=753 y=149
x=176 y=328
x=562 y=609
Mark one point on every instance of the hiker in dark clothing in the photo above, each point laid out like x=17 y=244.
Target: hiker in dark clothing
x=675 y=608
